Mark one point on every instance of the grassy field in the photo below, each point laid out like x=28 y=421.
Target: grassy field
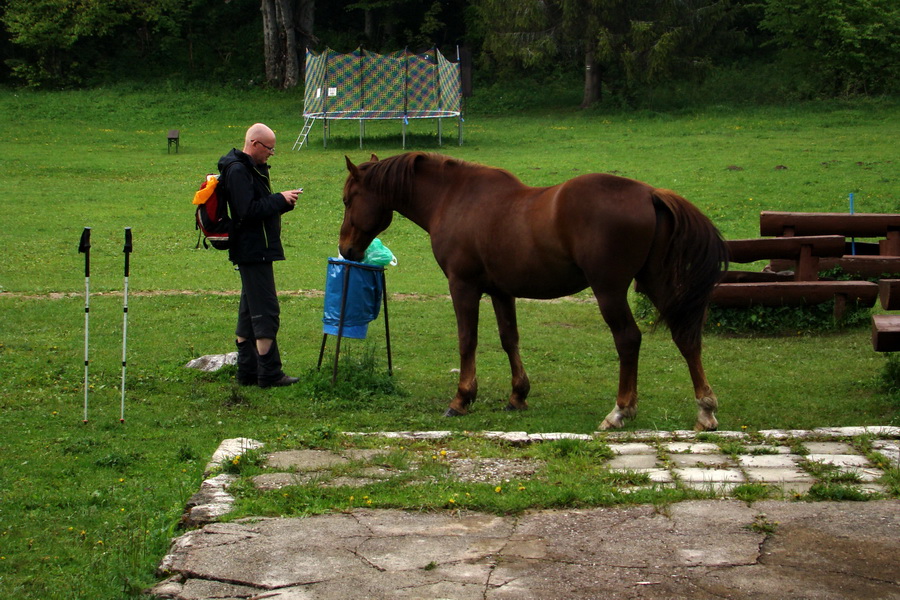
x=87 y=510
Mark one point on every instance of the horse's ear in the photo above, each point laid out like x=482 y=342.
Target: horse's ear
x=352 y=168
x=374 y=158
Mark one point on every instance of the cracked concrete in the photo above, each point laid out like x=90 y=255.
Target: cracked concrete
x=695 y=549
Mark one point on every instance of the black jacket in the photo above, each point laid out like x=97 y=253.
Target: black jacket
x=255 y=210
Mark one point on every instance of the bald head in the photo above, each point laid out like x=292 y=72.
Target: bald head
x=259 y=142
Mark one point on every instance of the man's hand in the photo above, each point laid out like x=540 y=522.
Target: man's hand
x=291 y=196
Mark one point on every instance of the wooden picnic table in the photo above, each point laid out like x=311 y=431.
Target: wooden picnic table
x=806 y=250
x=857 y=225
x=863 y=259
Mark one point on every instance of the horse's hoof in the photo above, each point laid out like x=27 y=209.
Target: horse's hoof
x=513 y=408
x=453 y=413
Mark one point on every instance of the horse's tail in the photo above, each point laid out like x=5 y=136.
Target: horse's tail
x=696 y=256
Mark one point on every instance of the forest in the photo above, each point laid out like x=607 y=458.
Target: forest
x=616 y=51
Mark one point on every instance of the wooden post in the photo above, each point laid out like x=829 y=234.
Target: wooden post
x=840 y=307
x=808 y=265
x=891 y=245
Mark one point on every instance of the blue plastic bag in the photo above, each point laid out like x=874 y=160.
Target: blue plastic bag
x=379 y=254
x=364 y=295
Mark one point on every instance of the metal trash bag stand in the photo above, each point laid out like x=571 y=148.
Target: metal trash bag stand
x=344 y=292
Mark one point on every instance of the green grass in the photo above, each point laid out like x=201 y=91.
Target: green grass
x=87 y=510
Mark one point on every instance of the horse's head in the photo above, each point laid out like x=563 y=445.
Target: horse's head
x=365 y=212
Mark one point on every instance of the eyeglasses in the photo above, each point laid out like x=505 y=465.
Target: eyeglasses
x=269 y=148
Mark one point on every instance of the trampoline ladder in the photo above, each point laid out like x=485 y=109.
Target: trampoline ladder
x=304 y=133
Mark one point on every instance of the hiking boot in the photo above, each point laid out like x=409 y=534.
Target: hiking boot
x=247 y=362
x=285 y=380
x=270 y=373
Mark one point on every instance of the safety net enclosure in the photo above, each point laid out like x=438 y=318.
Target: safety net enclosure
x=364 y=85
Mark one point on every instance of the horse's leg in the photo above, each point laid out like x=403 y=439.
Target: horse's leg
x=465 y=304
x=627 y=336
x=505 y=310
x=707 y=403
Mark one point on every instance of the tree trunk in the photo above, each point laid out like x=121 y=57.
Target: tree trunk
x=369 y=26
x=305 y=18
x=288 y=38
x=271 y=43
x=592 y=85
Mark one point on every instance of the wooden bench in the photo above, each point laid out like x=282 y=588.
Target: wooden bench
x=864 y=263
x=864 y=225
x=886 y=328
x=804 y=250
x=789 y=288
x=796 y=293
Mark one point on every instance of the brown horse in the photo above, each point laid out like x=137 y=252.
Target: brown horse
x=491 y=234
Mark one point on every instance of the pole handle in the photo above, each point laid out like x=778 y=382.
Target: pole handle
x=84 y=246
x=128 y=250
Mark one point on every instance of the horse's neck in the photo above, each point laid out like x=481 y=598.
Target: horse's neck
x=424 y=202
x=419 y=213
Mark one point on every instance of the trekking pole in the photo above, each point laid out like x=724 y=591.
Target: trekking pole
x=85 y=247
x=127 y=251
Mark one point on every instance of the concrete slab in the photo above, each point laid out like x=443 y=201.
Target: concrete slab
x=778 y=476
x=839 y=460
x=701 y=460
x=632 y=462
x=694 y=448
x=768 y=461
x=768 y=449
x=694 y=549
x=890 y=449
x=699 y=475
x=829 y=448
x=306 y=460
x=633 y=448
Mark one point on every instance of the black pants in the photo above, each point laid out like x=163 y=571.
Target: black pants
x=259 y=315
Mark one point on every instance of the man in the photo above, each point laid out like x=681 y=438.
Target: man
x=255 y=245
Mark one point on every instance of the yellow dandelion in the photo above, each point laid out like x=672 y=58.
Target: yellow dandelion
x=451 y=501
x=498 y=489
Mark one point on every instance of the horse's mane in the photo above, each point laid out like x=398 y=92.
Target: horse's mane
x=394 y=176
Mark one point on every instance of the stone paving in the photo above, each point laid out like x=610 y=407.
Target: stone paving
x=788 y=463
